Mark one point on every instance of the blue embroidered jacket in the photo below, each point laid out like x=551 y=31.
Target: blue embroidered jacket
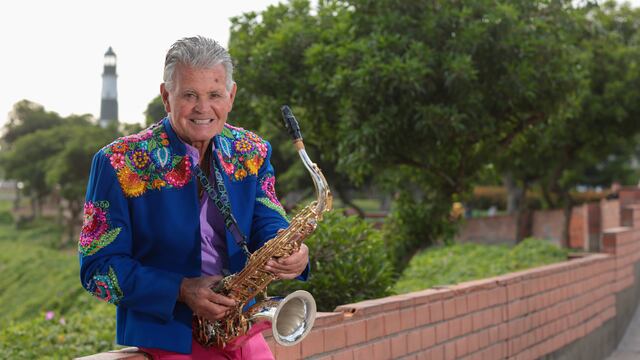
x=141 y=231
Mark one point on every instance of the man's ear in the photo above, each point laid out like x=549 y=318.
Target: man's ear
x=164 y=93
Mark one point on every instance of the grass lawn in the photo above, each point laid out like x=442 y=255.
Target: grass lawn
x=448 y=265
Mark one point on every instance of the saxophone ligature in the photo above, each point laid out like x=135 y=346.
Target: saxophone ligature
x=290 y=318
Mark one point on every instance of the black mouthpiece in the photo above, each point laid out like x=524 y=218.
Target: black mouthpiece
x=291 y=123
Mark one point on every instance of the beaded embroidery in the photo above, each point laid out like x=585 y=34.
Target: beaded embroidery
x=97 y=231
x=268 y=186
x=241 y=152
x=266 y=202
x=105 y=287
x=144 y=161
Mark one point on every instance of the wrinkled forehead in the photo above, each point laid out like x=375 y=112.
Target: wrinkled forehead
x=188 y=74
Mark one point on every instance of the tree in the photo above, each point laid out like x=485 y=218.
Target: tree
x=68 y=169
x=155 y=111
x=27 y=117
x=595 y=132
x=269 y=49
x=421 y=94
x=53 y=158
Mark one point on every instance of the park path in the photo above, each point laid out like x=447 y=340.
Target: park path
x=629 y=346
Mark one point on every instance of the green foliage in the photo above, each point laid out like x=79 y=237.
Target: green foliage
x=416 y=221
x=453 y=264
x=348 y=264
x=36 y=279
x=28 y=117
x=422 y=94
x=155 y=111
x=54 y=157
x=82 y=333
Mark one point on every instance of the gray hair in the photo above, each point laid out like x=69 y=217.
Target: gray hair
x=197 y=52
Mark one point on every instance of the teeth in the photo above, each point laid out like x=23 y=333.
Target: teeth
x=202 y=122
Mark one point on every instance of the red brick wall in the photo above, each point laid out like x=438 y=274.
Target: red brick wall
x=523 y=315
x=548 y=225
x=578 y=227
x=488 y=230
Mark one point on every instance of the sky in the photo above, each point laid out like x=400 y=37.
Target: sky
x=53 y=51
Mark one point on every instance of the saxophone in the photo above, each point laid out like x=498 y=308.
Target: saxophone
x=290 y=318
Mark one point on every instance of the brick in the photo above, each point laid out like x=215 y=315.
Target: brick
x=467 y=325
x=436 y=312
x=483 y=338
x=356 y=332
x=408 y=318
x=428 y=337
x=478 y=321
x=450 y=351
x=455 y=328
x=382 y=350
x=436 y=353
x=473 y=301
x=462 y=347
x=335 y=338
x=313 y=343
x=363 y=352
x=414 y=342
x=449 y=308
x=392 y=323
x=422 y=315
x=442 y=332
x=473 y=343
x=461 y=305
x=375 y=327
x=288 y=352
x=398 y=346
x=343 y=355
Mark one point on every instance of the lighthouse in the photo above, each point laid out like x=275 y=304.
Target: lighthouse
x=109 y=104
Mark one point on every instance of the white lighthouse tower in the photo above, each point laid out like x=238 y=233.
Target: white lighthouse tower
x=109 y=105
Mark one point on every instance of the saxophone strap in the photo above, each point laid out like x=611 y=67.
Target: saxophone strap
x=220 y=198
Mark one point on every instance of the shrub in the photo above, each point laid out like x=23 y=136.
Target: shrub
x=349 y=263
x=416 y=222
x=79 y=334
x=453 y=264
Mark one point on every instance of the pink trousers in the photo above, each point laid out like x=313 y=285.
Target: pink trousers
x=255 y=348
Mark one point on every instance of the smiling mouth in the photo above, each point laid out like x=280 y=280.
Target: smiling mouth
x=201 y=121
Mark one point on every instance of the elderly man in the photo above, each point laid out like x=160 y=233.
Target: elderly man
x=153 y=240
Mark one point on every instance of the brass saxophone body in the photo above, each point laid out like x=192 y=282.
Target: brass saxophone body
x=290 y=318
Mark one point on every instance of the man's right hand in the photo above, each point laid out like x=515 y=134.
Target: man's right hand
x=197 y=294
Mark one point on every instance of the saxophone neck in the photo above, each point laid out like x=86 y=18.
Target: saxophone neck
x=323 y=194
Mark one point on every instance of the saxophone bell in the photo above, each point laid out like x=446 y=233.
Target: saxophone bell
x=290 y=318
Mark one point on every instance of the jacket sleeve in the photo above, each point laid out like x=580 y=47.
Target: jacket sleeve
x=107 y=267
x=269 y=215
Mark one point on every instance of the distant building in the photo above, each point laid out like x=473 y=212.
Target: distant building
x=109 y=105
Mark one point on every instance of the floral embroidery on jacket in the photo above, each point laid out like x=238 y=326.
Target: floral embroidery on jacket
x=105 y=287
x=241 y=152
x=97 y=231
x=144 y=161
x=267 y=185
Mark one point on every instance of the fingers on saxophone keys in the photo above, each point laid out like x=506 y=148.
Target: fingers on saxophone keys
x=221 y=300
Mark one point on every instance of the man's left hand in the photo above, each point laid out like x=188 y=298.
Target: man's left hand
x=291 y=266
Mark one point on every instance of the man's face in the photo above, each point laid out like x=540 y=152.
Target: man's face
x=199 y=102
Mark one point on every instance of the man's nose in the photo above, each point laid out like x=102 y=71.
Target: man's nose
x=202 y=105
